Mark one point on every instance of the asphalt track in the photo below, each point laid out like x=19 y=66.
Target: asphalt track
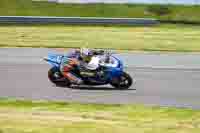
x=160 y=79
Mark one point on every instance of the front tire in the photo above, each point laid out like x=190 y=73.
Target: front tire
x=123 y=82
x=56 y=77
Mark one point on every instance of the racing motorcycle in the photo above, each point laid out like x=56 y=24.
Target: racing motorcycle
x=109 y=72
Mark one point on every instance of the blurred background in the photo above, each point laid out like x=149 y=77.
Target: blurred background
x=131 y=1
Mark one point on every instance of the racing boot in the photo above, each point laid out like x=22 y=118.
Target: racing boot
x=73 y=79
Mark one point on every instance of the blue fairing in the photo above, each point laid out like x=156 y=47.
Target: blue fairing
x=115 y=71
x=54 y=59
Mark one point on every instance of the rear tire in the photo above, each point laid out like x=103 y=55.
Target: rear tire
x=123 y=82
x=56 y=77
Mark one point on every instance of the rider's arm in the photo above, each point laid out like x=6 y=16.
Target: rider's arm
x=112 y=62
x=97 y=52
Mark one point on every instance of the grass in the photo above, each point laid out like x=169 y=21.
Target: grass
x=36 y=8
x=157 y=38
x=17 y=116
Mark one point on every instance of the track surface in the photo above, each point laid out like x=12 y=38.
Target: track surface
x=161 y=79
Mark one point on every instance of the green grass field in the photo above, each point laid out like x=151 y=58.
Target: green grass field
x=157 y=38
x=60 y=117
x=35 y=8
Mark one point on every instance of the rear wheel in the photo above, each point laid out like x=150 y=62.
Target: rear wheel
x=123 y=82
x=56 y=77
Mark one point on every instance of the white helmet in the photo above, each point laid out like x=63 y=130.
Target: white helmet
x=84 y=52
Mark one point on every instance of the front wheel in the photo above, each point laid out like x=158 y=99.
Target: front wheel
x=123 y=82
x=56 y=77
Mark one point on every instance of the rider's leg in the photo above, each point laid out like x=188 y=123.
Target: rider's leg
x=73 y=78
x=65 y=70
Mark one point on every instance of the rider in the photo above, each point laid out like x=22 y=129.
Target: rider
x=80 y=57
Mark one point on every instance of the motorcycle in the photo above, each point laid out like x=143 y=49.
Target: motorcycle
x=107 y=73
